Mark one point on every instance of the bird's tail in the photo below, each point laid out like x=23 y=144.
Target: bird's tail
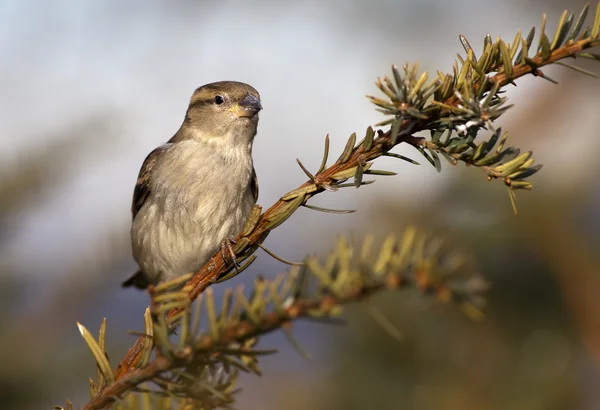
x=137 y=280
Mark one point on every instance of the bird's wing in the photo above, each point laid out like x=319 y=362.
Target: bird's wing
x=254 y=184
x=142 y=185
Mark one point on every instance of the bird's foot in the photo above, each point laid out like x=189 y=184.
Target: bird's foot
x=227 y=247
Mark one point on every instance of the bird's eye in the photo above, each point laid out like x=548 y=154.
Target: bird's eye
x=219 y=100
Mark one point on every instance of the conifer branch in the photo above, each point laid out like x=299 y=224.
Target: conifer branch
x=319 y=290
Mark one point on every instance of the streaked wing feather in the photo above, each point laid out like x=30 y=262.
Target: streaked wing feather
x=142 y=185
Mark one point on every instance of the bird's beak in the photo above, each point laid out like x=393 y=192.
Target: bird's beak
x=248 y=106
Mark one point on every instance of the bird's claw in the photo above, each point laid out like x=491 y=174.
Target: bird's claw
x=226 y=247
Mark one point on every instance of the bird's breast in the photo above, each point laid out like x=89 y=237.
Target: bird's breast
x=208 y=193
x=197 y=200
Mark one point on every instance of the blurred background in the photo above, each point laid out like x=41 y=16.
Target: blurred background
x=89 y=88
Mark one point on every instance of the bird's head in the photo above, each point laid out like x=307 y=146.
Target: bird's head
x=226 y=110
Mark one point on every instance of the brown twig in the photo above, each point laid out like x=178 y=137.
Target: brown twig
x=127 y=373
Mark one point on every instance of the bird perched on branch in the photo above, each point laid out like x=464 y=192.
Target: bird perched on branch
x=194 y=193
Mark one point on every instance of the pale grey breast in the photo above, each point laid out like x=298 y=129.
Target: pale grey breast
x=192 y=208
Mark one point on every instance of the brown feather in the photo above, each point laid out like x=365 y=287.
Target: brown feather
x=142 y=185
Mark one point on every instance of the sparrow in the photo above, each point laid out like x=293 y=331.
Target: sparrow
x=194 y=193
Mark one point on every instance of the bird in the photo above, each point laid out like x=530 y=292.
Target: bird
x=195 y=193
